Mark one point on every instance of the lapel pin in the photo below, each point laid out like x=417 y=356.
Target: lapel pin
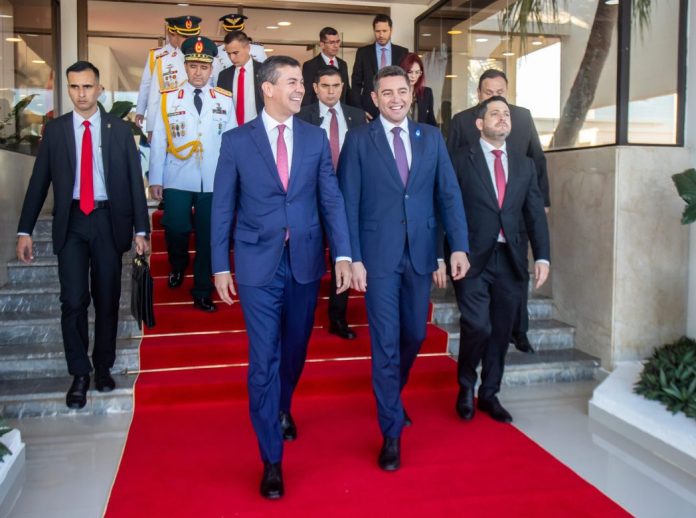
x=108 y=125
x=417 y=133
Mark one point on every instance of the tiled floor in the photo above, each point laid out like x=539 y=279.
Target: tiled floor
x=71 y=461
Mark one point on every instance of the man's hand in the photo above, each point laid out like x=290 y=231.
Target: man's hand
x=459 y=264
x=225 y=285
x=440 y=275
x=359 y=277
x=156 y=192
x=141 y=245
x=139 y=119
x=343 y=276
x=25 y=249
x=541 y=273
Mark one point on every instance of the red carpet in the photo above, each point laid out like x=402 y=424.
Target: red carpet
x=191 y=450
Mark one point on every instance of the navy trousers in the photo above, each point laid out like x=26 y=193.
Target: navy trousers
x=397 y=311
x=279 y=318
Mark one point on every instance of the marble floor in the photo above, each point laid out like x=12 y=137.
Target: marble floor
x=71 y=462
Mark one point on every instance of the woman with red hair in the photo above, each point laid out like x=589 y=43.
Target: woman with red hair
x=422 y=106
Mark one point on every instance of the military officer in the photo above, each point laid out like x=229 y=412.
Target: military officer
x=183 y=157
x=168 y=69
x=235 y=22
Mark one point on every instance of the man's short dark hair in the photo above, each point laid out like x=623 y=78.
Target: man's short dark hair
x=482 y=108
x=382 y=18
x=81 y=66
x=239 y=36
x=326 y=71
x=491 y=73
x=390 y=71
x=327 y=31
x=268 y=72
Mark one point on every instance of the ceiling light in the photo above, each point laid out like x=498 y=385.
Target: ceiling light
x=451 y=76
x=284 y=24
x=38 y=61
x=454 y=32
x=426 y=34
x=268 y=50
x=5 y=16
x=13 y=40
x=272 y=27
x=463 y=53
x=481 y=40
x=611 y=2
x=183 y=5
x=508 y=54
x=536 y=43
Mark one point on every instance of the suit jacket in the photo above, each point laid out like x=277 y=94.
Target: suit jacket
x=225 y=81
x=309 y=72
x=523 y=139
x=383 y=215
x=523 y=208
x=364 y=71
x=354 y=116
x=426 y=112
x=247 y=185
x=55 y=164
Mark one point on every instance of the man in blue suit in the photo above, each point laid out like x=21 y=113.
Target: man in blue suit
x=276 y=177
x=395 y=176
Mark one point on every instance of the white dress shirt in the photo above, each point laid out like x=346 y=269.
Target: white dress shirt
x=249 y=90
x=97 y=162
x=326 y=122
x=327 y=59
x=388 y=126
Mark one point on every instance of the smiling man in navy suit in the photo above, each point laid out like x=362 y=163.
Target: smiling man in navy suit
x=275 y=196
x=395 y=176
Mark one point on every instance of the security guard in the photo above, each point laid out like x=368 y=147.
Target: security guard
x=168 y=69
x=183 y=156
x=235 y=22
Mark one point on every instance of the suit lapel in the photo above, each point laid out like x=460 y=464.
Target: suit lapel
x=373 y=60
x=379 y=139
x=514 y=182
x=297 y=138
x=260 y=138
x=105 y=141
x=414 y=135
x=316 y=117
x=70 y=142
x=484 y=175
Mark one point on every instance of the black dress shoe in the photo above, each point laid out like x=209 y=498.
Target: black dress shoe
x=204 y=304
x=341 y=329
x=407 y=419
x=390 y=455
x=287 y=426
x=272 y=481
x=175 y=279
x=103 y=381
x=521 y=343
x=465 y=403
x=494 y=409
x=76 y=397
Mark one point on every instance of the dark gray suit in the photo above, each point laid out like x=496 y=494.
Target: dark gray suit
x=309 y=72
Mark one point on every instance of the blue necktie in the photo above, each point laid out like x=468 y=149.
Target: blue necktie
x=197 y=101
x=400 y=155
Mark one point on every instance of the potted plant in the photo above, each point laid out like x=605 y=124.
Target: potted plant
x=12 y=460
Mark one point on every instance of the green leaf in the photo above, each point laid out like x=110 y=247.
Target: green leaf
x=121 y=108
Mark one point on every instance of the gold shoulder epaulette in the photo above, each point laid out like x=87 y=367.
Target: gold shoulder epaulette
x=167 y=90
x=222 y=91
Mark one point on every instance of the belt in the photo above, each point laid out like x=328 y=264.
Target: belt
x=98 y=204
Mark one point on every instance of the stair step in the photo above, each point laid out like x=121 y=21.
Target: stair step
x=45 y=269
x=27 y=297
x=43 y=397
x=43 y=228
x=544 y=335
x=44 y=326
x=47 y=360
x=445 y=310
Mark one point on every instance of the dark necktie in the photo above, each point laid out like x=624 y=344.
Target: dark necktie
x=240 y=96
x=334 y=143
x=197 y=101
x=86 y=173
x=500 y=182
x=400 y=155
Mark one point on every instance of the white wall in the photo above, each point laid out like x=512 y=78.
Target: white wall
x=691 y=144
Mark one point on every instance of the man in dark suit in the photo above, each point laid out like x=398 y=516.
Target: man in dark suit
x=274 y=179
x=394 y=187
x=370 y=59
x=242 y=77
x=336 y=118
x=330 y=45
x=523 y=139
x=99 y=201
x=502 y=198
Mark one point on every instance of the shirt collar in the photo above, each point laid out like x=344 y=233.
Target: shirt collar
x=269 y=123
x=388 y=126
x=323 y=109
x=387 y=46
x=488 y=147
x=327 y=58
x=94 y=120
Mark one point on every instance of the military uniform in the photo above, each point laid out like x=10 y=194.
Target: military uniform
x=146 y=78
x=183 y=157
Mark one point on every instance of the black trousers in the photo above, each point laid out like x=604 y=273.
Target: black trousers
x=489 y=304
x=338 y=304
x=89 y=268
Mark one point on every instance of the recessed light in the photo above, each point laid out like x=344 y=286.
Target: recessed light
x=38 y=61
x=284 y=24
x=481 y=40
x=5 y=16
x=426 y=34
x=451 y=76
x=272 y=27
x=13 y=40
x=463 y=53
x=508 y=54
x=611 y=2
x=183 y=5
x=537 y=43
x=454 y=32
x=268 y=50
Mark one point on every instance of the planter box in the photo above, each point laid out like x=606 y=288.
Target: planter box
x=11 y=471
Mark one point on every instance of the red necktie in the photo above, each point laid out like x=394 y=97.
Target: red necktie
x=86 y=175
x=500 y=181
x=240 y=96
x=331 y=62
x=333 y=138
x=282 y=157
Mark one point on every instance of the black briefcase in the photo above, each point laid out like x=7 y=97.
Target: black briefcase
x=142 y=304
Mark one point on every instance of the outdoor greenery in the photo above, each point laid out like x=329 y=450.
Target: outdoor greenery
x=669 y=377
x=685 y=182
